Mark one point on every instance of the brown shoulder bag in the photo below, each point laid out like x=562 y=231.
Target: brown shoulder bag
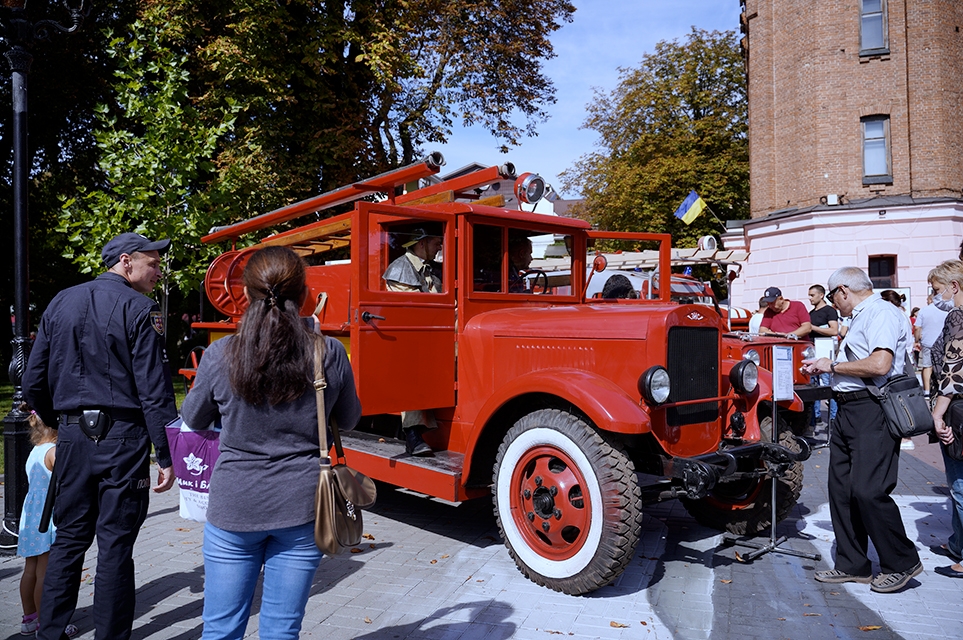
x=342 y=492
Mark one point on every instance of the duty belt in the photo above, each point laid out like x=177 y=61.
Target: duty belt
x=124 y=415
x=842 y=397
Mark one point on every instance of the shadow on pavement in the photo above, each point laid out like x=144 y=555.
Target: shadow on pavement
x=491 y=612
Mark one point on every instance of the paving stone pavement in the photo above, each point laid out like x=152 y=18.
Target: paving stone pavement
x=438 y=571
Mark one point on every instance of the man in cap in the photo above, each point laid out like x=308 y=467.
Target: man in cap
x=787 y=317
x=98 y=371
x=416 y=271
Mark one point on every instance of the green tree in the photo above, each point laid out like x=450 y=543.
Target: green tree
x=677 y=122
x=157 y=153
x=339 y=90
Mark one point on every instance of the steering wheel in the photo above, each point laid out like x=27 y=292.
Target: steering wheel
x=538 y=273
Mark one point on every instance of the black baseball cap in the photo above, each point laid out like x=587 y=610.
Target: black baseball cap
x=129 y=243
x=771 y=294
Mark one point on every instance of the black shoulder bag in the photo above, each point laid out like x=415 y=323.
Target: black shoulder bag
x=906 y=409
x=954 y=419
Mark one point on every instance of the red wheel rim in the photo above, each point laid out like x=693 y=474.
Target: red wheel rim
x=550 y=503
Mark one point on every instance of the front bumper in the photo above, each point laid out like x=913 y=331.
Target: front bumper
x=699 y=474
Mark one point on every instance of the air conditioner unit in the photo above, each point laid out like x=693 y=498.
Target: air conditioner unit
x=832 y=199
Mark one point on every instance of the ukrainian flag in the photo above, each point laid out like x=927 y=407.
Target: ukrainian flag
x=690 y=208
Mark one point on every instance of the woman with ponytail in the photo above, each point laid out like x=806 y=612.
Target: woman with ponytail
x=259 y=382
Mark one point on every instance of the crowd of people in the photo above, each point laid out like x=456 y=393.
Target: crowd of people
x=98 y=372
x=869 y=339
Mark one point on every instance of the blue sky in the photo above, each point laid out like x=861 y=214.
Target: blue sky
x=604 y=36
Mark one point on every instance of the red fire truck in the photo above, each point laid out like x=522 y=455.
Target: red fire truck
x=570 y=412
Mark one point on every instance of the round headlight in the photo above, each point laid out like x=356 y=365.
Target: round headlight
x=744 y=376
x=654 y=385
x=529 y=188
x=753 y=356
x=809 y=353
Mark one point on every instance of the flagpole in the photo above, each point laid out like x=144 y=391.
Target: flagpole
x=723 y=224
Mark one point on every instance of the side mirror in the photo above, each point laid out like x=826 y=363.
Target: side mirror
x=598 y=266
x=600 y=263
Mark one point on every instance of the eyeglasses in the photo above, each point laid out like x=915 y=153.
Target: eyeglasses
x=833 y=292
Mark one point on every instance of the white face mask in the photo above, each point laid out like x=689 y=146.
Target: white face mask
x=943 y=303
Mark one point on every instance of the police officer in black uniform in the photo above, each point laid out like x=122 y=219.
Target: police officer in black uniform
x=99 y=362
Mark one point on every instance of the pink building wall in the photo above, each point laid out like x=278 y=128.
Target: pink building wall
x=796 y=251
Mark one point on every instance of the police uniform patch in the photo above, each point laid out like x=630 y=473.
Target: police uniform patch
x=157 y=321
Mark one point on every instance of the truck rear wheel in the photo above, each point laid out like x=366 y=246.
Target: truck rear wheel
x=567 y=502
x=745 y=506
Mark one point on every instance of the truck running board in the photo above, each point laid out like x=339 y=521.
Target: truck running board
x=385 y=459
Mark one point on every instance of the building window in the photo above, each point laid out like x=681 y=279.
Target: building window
x=882 y=272
x=877 y=167
x=873 y=36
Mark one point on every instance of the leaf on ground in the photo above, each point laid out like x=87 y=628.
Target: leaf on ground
x=834 y=593
x=643 y=622
x=355 y=550
x=445 y=556
x=725 y=581
x=739 y=557
x=381 y=440
x=181 y=529
x=367 y=536
x=372 y=546
x=782 y=619
x=618 y=625
x=433 y=562
x=870 y=627
x=812 y=615
x=367 y=620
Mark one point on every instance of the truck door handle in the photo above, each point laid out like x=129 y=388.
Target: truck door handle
x=367 y=316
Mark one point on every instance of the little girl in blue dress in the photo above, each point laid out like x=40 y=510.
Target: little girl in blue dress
x=32 y=545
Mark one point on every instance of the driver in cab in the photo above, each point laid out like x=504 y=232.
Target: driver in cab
x=519 y=259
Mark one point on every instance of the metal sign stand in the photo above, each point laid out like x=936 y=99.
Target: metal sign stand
x=781 y=390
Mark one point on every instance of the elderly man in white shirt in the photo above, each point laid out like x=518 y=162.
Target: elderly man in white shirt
x=864 y=456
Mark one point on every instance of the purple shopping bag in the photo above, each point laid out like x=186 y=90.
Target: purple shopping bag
x=194 y=454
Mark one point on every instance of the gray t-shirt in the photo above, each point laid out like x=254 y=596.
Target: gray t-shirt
x=267 y=472
x=930 y=320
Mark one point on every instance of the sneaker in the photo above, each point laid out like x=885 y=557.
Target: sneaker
x=907 y=445
x=415 y=445
x=835 y=576
x=29 y=625
x=890 y=582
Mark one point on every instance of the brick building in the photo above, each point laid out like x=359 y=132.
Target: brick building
x=855 y=142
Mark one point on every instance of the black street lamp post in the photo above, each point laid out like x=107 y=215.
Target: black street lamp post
x=17 y=31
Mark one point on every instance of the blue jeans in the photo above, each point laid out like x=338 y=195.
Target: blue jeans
x=232 y=563
x=823 y=380
x=954 y=479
